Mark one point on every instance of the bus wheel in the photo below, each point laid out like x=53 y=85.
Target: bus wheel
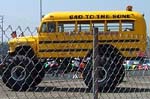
x=110 y=70
x=21 y=73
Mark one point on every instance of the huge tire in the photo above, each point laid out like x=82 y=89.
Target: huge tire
x=110 y=69
x=21 y=73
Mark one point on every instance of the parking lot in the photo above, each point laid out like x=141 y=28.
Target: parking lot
x=136 y=84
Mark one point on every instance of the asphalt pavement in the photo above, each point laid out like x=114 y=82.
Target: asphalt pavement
x=136 y=85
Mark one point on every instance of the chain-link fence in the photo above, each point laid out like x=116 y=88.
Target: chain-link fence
x=34 y=66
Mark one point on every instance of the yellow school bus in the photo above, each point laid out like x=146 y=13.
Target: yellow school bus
x=70 y=33
x=64 y=36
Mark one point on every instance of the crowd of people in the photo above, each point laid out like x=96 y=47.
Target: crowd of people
x=75 y=67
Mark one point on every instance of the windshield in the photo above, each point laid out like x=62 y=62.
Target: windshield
x=48 y=27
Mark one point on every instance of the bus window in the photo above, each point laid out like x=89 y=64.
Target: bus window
x=83 y=26
x=51 y=27
x=69 y=27
x=60 y=28
x=44 y=28
x=127 y=25
x=113 y=26
x=99 y=25
x=66 y=26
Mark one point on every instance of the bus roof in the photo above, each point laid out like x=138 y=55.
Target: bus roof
x=92 y=15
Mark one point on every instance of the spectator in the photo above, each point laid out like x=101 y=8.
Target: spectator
x=21 y=35
x=83 y=64
x=52 y=65
x=145 y=67
x=14 y=34
x=75 y=67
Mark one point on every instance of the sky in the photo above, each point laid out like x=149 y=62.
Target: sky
x=26 y=13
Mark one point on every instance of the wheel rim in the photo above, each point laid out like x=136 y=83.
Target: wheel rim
x=18 y=73
x=102 y=74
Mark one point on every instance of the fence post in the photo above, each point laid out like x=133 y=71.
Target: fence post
x=95 y=63
x=2 y=39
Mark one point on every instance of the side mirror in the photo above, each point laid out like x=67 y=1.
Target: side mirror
x=38 y=29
